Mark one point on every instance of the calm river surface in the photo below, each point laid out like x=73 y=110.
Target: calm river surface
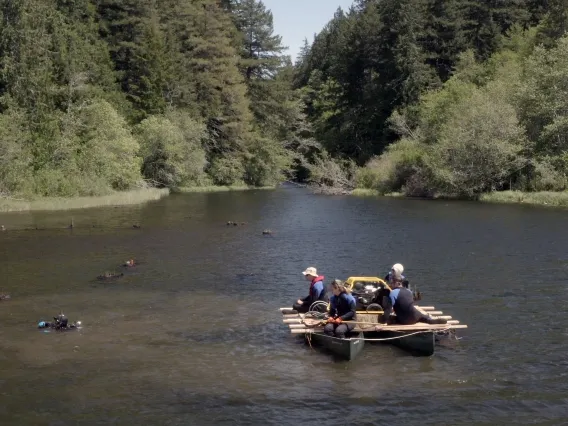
x=193 y=335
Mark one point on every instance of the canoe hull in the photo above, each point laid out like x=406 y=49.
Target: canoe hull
x=418 y=344
x=347 y=348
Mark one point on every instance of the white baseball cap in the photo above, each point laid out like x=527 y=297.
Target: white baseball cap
x=397 y=267
x=311 y=271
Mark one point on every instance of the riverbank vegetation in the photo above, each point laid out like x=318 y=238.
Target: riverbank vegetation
x=428 y=98
x=453 y=99
x=111 y=95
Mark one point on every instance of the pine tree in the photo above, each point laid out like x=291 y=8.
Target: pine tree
x=555 y=22
x=137 y=47
x=444 y=38
x=220 y=91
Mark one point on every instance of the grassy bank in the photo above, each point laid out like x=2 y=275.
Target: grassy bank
x=544 y=198
x=191 y=189
x=117 y=199
x=363 y=192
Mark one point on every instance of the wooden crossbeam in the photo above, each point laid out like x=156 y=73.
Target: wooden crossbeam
x=302 y=325
x=424 y=308
x=409 y=328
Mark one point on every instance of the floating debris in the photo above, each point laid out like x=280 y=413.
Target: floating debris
x=5 y=297
x=109 y=276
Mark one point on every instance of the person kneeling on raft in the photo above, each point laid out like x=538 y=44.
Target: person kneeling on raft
x=342 y=308
x=401 y=300
x=316 y=293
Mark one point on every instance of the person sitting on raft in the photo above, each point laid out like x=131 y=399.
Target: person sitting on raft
x=401 y=300
x=60 y=323
x=396 y=268
x=342 y=308
x=317 y=291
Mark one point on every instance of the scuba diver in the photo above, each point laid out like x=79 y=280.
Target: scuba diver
x=60 y=322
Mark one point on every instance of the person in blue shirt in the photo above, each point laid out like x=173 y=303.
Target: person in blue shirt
x=401 y=301
x=342 y=308
x=316 y=293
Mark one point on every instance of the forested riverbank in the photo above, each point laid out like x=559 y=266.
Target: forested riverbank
x=452 y=99
x=426 y=98
x=101 y=97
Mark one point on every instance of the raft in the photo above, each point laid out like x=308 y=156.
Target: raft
x=418 y=339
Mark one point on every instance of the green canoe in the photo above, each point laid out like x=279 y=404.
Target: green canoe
x=420 y=344
x=347 y=348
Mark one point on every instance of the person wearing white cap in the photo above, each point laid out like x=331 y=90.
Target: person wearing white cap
x=397 y=268
x=316 y=292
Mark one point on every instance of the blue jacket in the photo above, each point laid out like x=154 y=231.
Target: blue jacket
x=343 y=306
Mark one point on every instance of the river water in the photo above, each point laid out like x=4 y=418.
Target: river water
x=193 y=334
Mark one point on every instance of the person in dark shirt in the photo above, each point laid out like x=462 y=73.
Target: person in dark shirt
x=401 y=300
x=316 y=292
x=342 y=308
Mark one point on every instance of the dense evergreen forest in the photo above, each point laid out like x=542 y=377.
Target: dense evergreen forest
x=423 y=97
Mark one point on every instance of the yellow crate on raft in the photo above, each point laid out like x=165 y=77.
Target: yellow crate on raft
x=351 y=281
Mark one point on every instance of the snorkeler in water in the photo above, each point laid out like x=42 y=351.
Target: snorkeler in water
x=60 y=322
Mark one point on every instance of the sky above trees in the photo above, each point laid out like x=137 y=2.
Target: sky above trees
x=294 y=26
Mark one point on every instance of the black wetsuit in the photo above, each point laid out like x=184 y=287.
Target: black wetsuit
x=343 y=306
x=401 y=300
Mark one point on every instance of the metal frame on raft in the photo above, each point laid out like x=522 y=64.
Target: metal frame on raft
x=418 y=339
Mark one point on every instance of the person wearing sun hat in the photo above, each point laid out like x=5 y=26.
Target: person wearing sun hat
x=316 y=292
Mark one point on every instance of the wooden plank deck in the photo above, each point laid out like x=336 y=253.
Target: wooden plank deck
x=368 y=321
